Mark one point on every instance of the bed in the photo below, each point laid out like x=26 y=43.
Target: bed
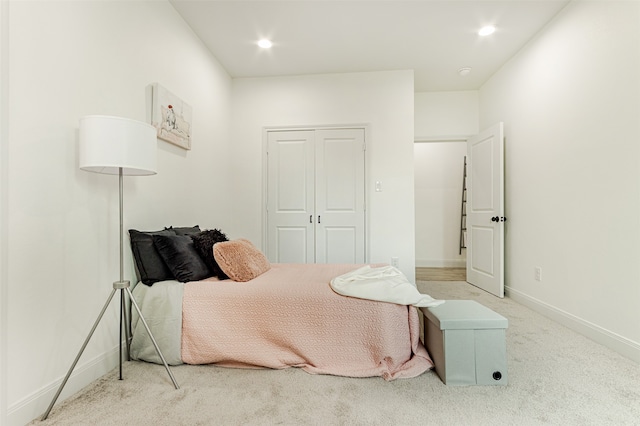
x=288 y=315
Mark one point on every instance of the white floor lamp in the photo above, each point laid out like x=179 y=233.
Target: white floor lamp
x=117 y=146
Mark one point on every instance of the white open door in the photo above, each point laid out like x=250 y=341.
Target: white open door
x=485 y=210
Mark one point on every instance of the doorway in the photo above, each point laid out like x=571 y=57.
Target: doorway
x=439 y=167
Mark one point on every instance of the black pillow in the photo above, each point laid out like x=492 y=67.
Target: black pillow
x=204 y=242
x=184 y=230
x=182 y=258
x=150 y=265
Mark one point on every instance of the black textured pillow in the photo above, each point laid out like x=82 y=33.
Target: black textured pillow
x=184 y=230
x=182 y=258
x=204 y=242
x=150 y=264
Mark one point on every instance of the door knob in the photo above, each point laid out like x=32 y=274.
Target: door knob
x=495 y=219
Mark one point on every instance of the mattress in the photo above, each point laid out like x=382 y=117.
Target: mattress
x=287 y=317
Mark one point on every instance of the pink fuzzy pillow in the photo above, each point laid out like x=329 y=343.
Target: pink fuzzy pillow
x=240 y=259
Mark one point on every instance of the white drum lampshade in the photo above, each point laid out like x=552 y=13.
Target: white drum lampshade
x=110 y=143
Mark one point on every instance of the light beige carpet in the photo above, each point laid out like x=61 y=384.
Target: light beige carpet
x=556 y=377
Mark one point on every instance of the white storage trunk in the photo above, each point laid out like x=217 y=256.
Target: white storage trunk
x=466 y=341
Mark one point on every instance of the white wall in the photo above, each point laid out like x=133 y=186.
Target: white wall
x=441 y=116
x=570 y=101
x=384 y=100
x=66 y=60
x=4 y=167
x=445 y=114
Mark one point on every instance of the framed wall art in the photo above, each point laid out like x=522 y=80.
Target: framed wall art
x=171 y=116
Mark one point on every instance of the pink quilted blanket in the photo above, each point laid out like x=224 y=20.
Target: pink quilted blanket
x=290 y=317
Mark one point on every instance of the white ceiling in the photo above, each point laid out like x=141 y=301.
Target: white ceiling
x=435 y=38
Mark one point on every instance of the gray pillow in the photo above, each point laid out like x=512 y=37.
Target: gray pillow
x=149 y=263
x=181 y=257
x=184 y=230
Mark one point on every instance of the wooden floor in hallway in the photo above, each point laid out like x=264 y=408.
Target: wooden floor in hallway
x=441 y=274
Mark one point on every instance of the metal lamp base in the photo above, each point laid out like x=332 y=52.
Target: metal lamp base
x=123 y=286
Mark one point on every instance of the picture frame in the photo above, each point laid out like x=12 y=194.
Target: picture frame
x=171 y=116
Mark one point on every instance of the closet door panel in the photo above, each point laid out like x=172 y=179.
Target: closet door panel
x=292 y=244
x=340 y=200
x=290 y=198
x=339 y=244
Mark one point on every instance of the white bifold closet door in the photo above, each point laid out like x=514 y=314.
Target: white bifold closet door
x=315 y=196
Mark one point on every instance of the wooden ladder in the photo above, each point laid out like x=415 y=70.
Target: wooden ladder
x=463 y=209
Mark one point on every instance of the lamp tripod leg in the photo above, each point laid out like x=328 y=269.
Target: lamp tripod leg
x=124 y=324
x=153 y=340
x=120 y=335
x=127 y=324
x=84 y=345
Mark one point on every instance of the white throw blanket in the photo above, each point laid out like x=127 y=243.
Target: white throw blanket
x=385 y=284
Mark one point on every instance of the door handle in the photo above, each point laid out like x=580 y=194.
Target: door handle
x=310 y=218
x=498 y=219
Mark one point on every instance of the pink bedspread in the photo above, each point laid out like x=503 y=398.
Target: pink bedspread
x=290 y=317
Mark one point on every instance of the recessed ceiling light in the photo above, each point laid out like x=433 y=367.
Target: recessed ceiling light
x=265 y=44
x=463 y=72
x=488 y=30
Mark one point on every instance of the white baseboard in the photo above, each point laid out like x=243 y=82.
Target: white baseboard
x=34 y=405
x=613 y=341
x=441 y=263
